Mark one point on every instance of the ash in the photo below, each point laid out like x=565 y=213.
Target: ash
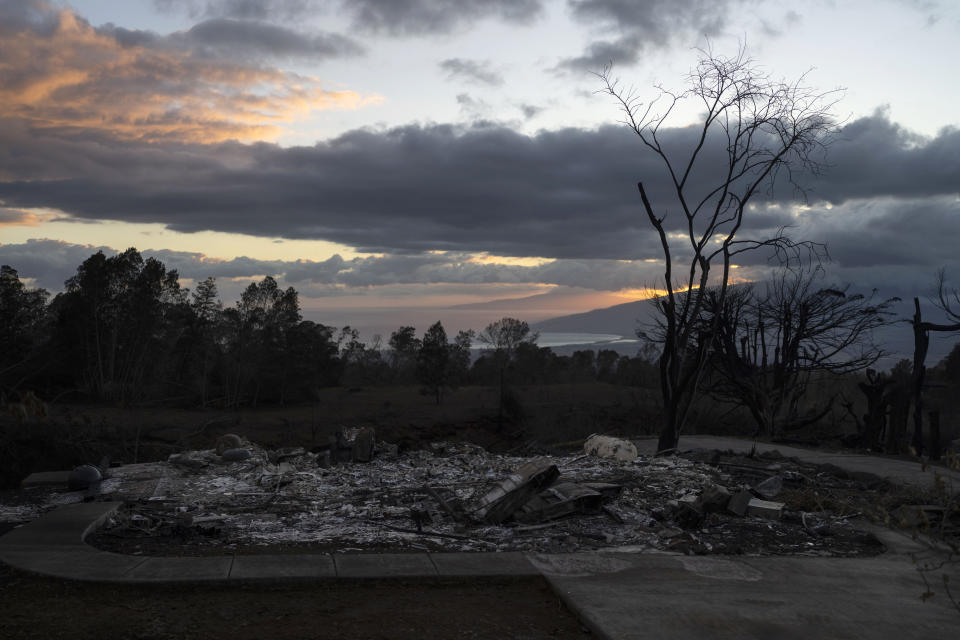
x=283 y=500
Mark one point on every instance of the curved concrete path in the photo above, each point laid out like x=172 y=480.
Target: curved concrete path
x=54 y=545
x=906 y=472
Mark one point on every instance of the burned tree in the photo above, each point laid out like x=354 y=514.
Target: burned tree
x=770 y=345
x=946 y=301
x=760 y=129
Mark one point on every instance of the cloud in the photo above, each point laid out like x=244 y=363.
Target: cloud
x=473 y=108
x=874 y=155
x=251 y=39
x=568 y=193
x=630 y=28
x=51 y=262
x=279 y=10
x=392 y=17
x=59 y=73
x=416 y=17
x=20 y=218
x=48 y=262
x=478 y=71
x=530 y=111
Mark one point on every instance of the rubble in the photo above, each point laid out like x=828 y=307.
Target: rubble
x=737 y=504
x=607 y=447
x=765 y=509
x=449 y=497
x=515 y=490
x=769 y=488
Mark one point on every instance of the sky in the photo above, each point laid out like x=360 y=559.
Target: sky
x=395 y=159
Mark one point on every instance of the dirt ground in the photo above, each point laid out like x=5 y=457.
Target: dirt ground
x=43 y=608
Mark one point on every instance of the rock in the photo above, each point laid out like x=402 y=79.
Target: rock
x=737 y=505
x=765 y=509
x=769 y=488
x=608 y=447
x=228 y=441
x=236 y=455
x=714 y=498
x=83 y=477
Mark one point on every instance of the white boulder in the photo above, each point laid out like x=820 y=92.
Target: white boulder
x=609 y=447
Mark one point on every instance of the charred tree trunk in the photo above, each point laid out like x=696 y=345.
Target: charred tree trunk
x=921 y=341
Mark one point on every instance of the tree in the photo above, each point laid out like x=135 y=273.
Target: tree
x=114 y=323
x=434 y=360
x=404 y=348
x=759 y=129
x=22 y=312
x=201 y=336
x=258 y=344
x=921 y=341
x=770 y=343
x=506 y=336
x=460 y=356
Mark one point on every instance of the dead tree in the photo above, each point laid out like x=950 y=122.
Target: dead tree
x=762 y=129
x=921 y=341
x=771 y=344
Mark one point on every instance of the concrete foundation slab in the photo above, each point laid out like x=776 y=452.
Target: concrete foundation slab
x=384 y=565
x=277 y=567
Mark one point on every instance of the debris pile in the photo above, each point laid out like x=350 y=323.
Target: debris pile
x=459 y=497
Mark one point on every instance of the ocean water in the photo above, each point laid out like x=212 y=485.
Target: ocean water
x=551 y=339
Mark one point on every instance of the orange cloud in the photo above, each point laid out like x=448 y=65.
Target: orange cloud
x=21 y=218
x=78 y=78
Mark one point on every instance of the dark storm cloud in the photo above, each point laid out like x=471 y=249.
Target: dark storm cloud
x=631 y=27
x=479 y=71
x=569 y=193
x=415 y=188
x=874 y=154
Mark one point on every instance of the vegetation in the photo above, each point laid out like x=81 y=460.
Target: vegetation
x=125 y=332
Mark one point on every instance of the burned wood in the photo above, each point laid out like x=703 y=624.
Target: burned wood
x=501 y=502
x=559 y=501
